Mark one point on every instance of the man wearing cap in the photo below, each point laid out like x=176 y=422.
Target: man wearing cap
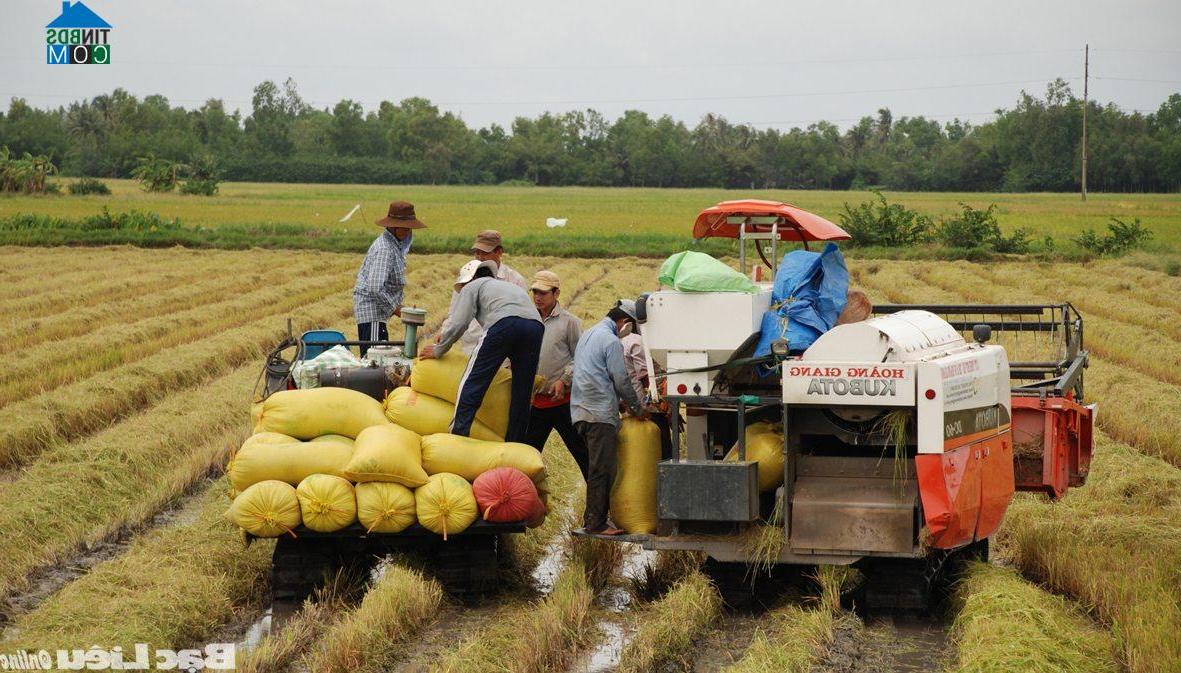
x=512 y=330
x=486 y=247
x=381 y=280
x=600 y=381
x=551 y=406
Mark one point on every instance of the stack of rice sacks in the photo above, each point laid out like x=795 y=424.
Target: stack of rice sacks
x=326 y=458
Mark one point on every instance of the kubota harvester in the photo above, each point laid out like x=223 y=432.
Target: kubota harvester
x=905 y=434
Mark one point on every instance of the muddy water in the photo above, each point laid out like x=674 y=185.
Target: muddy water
x=727 y=641
x=615 y=630
x=889 y=643
x=550 y=565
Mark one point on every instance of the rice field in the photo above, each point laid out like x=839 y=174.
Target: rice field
x=129 y=381
x=593 y=212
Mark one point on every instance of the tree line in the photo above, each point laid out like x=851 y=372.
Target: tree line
x=1033 y=146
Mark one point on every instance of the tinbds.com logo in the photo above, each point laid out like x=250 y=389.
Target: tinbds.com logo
x=78 y=35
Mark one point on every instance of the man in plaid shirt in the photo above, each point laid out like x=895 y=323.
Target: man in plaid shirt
x=382 y=278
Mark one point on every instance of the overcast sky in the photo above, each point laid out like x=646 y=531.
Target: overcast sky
x=777 y=64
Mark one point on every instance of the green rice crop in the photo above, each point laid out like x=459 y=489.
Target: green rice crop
x=599 y=212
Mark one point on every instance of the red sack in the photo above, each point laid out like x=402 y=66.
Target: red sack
x=537 y=517
x=505 y=494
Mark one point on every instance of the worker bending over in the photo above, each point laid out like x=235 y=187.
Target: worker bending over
x=487 y=246
x=381 y=281
x=551 y=405
x=600 y=381
x=512 y=330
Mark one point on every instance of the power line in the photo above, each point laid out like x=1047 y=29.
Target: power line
x=1141 y=51
x=792 y=94
x=586 y=66
x=1137 y=79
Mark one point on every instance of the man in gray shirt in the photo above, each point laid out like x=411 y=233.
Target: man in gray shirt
x=600 y=381
x=551 y=406
x=512 y=330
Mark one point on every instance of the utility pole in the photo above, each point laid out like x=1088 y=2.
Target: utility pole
x=1086 y=79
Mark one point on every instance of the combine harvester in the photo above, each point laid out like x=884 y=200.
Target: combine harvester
x=904 y=435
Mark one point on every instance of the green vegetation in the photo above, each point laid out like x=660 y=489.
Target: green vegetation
x=657 y=221
x=1007 y=624
x=87 y=186
x=26 y=174
x=1120 y=238
x=1033 y=146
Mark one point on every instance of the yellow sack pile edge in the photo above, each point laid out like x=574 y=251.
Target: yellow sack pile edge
x=428 y=415
x=469 y=458
x=266 y=509
x=387 y=453
x=439 y=377
x=305 y=414
x=385 y=507
x=446 y=504
x=264 y=457
x=326 y=503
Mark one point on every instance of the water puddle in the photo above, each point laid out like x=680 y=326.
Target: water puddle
x=605 y=656
x=616 y=600
x=259 y=629
x=550 y=566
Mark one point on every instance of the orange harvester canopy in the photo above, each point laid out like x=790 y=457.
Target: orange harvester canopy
x=795 y=224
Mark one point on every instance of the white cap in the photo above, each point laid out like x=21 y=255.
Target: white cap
x=468 y=271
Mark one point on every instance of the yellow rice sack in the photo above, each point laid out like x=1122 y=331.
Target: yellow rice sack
x=271 y=438
x=339 y=439
x=439 y=377
x=428 y=415
x=261 y=459
x=633 y=493
x=266 y=509
x=383 y=507
x=305 y=414
x=469 y=458
x=764 y=445
x=446 y=504
x=387 y=453
x=326 y=502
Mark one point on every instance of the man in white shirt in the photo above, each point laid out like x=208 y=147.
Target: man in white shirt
x=486 y=247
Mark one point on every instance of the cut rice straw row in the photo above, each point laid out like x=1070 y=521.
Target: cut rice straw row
x=30 y=426
x=1126 y=397
x=174 y=587
x=795 y=638
x=160 y=300
x=81 y=493
x=1004 y=623
x=42 y=368
x=667 y=628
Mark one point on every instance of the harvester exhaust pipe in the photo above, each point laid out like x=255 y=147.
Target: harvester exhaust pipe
x=412 y=319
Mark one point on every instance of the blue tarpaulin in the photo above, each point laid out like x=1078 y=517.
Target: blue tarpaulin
x=806 y=299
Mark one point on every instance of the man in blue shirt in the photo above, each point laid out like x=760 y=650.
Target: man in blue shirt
x=381 y=280
x=600 y=381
